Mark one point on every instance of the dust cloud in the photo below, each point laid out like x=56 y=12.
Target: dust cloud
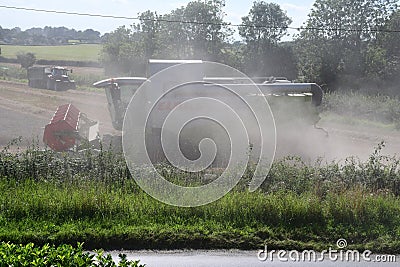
x=329 y=141
x=297 y=135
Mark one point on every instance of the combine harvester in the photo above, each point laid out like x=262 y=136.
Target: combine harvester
x=294 y=105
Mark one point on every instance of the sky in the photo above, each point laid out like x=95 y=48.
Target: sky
x=234 y=9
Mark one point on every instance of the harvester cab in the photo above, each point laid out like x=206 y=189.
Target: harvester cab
x=119 y=92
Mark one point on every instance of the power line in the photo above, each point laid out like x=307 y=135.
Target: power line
x=198 y=22
x=69 y=13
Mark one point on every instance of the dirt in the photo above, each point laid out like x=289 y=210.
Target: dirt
x=25 y=111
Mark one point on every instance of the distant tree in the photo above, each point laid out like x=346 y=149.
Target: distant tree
x=339 y=37
x=126 y=50
x=203 y=39
x=390 y=42
x=26 y=59
x=146 y=35
x=117 y=51
x=174 y=39
x=263 y=29
x=47 y=36
x=90 y=35
x=265 y=23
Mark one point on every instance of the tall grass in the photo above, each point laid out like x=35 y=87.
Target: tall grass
x=378 y=108
x=87 y=79
x=8 y=72
x=91 y=197
x=380 y=173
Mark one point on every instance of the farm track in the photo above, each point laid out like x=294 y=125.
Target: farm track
x=25 y=111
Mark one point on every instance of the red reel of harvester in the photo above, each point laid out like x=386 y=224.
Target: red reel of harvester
x=61 y=133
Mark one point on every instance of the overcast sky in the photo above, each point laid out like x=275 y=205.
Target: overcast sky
x=235 y=9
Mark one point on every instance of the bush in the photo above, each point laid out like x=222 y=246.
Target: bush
x=64 y=255
x=11 y=72
x=26 y=59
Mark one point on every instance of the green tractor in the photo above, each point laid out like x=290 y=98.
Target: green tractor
x=52 y=78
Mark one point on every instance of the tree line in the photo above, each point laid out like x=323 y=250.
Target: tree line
x=47 y=36
x=342 y=44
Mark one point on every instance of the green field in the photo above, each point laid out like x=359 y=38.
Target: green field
x=83 y=52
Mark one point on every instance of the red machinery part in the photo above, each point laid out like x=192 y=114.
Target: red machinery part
x=61 y=133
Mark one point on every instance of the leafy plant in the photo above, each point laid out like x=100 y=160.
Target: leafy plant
x=63 y=255
x=26 y=59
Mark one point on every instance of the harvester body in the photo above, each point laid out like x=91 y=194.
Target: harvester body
x=287 y=100
x=291 y=103
x=52 y=78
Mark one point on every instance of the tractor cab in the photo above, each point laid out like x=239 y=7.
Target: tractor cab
x=59 y=72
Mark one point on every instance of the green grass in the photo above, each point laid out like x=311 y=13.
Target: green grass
x=46 y=197
x=13 y=73
x=82 y=52
x=112 y=217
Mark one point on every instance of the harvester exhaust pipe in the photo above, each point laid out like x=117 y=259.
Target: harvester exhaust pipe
x=68 y=128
